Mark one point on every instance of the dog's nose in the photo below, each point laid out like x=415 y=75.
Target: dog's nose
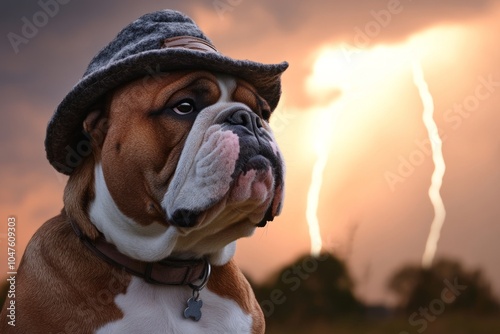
x=184 y=218
x=246 y=119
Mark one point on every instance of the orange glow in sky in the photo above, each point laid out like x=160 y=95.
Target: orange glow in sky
x=352 y=73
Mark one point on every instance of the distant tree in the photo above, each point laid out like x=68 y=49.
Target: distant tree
x=446 y=280
x=310 y=288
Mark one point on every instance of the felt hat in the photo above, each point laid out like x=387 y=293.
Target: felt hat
x=157 y=42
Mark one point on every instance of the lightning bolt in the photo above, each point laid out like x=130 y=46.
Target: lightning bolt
x=312 y=202
x=439 y=166
x=324 y=127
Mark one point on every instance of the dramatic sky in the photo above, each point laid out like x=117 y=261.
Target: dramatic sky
x=349 y=90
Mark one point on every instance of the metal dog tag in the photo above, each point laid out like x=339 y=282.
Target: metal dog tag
x=194 y=304
x=193 y=310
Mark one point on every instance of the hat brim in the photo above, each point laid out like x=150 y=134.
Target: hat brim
x=65 y=129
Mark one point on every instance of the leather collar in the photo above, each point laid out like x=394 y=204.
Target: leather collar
x=164 y=272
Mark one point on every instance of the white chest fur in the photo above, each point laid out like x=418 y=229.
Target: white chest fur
x=159 y=309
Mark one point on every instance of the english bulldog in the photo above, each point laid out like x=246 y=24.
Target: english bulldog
x=175 y=168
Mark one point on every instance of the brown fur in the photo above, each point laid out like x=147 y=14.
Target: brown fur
x=228 y=281
x=247 y=94
x=61 y=286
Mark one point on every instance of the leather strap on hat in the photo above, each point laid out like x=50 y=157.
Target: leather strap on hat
x=164 y=272
x=189 y=42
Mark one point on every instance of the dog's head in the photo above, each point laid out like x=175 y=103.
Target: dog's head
x=184 y=165
x=167 y=156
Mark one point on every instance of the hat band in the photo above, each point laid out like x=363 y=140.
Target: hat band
x=189 y=42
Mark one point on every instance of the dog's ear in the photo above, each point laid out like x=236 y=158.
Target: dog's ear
x=90 y=121
x=96 y=125
x=79 y=191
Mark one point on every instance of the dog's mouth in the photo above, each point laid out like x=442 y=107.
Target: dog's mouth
x=252 y=191
x=233 y=174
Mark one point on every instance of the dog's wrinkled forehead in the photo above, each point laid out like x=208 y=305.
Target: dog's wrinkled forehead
x=189 y=92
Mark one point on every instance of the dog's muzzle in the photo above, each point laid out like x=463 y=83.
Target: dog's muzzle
x=229 y=154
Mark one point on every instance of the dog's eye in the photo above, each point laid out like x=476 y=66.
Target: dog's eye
x=184 y=107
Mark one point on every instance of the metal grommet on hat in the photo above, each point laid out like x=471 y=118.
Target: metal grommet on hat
x=157 y=42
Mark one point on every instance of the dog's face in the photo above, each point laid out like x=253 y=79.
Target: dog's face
x=188 y=165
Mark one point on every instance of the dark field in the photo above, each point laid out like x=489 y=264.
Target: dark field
x=445 y=324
